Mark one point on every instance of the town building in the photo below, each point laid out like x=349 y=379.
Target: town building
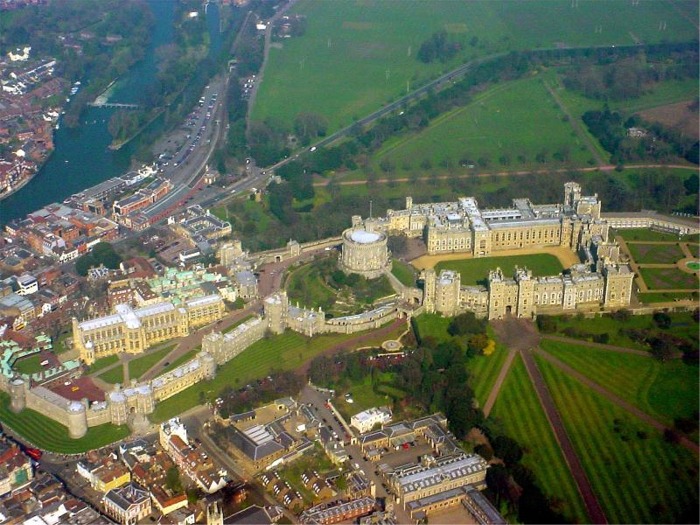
x=15 y=468
x=338 y=512
x=366 y=420
x=128 y=505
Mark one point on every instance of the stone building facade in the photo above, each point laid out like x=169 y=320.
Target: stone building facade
x=135 y=330
x=462 y=227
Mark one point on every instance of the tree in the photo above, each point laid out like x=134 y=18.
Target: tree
x=662 y=320
x=465 y=324
x=507 y=449
x=172 y=480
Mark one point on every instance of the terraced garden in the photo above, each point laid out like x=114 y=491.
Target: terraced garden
x=637 y=476
x=522 y=417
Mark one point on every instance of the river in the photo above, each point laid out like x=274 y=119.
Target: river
x=81 y=157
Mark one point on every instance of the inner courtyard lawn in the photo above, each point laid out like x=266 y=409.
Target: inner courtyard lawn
x=637 y=476
x=476 y=271
x=519 y=412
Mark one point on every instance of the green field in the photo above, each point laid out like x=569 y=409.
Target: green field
x=404 y=272
x=283 y=352
x=141 y=365
x=682 y=325
x=103 y=362
x=363 y=396
x=47 y=434
x=668 y=279
x=659 y=297
x=476 y=271
x=483 y=370
x=357 y=55
x=636 y=475
x=503 y=128
x=645 y=234
x=180 y=360
x=663 y=390
x=113 y=375
x=519 y=411
x=28 y=365
x=655 y=253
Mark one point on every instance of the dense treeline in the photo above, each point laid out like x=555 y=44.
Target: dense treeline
x=236 y=400
x=438 y=47
x=631 y=76
x=652 y=141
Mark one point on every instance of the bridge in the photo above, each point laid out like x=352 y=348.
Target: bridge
x=121 y=105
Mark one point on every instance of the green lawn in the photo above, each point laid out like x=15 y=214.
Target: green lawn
x=663 y=390
x=28 y=365
x=476 y=271
x=659 y=297
x=113 y=375
x=103 y=362
x=283 y=352
x=484 y=369
x=47 y=434
x=138 y=367
x=357 y=55
x=363 y=396
x=668 y=279
x=645 y=234
x=404 y=272
x=682 y=325
x=506 y=127
x=180 y=360
x=656 y=253
x=431 y=325
x=636 y=475
x=519 y=411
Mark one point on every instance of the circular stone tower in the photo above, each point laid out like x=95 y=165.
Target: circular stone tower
x=365 y=253
x=18 y=395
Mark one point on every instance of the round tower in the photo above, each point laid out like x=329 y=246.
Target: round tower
x=77 y=420
x=18 y=395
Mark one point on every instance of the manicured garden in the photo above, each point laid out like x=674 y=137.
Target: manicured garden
x=668 y=279
x=655 y=253
x=519 y=412
x=647 y=235
x=47 y=434
x=638 y=477
x=663 y=390
x=476 y=271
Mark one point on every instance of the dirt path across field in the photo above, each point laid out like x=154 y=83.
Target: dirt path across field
x=628 y=407
x=566 y=257
x=595 y=511
x=516 y=336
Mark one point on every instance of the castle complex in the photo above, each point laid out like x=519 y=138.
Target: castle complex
x=601 y=281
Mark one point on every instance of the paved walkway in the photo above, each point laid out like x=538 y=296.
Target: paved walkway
x=595 y=511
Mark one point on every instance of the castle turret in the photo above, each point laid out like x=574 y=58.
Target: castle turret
x=77 y=419
x=18 y=395
x=208 y=364
x=276 y=307
x=429 y=280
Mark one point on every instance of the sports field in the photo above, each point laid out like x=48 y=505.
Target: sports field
x=636 y=475
x=523 y=419
x=663 y=390
x=476 y=271
x=47 y=434
x=512 y=125
x=357 y=55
